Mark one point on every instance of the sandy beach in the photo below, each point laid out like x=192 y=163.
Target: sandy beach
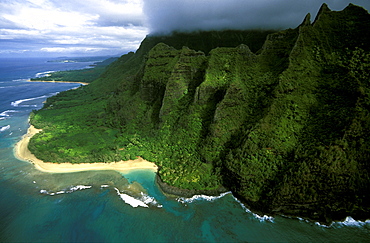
x=22 y=153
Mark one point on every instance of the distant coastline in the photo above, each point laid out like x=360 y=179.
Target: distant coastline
x=52 y=81
x=22 y=152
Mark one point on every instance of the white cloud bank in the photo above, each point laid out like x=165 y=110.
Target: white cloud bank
x=187 y=15
x=89 y=27
x=111 y=27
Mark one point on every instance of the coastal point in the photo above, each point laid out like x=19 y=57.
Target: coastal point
x=22 y=152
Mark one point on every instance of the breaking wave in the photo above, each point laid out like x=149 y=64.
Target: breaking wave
x=69 y=190
x=20 y=80
x=143 y=201
x=263 y=218
x=201 y=197
x=4 y=128
x=149 y=200
x=18 y=102
x=349 y=221
x=5 y=114
x=212 y=198
x=131 y=200
x=43 y=74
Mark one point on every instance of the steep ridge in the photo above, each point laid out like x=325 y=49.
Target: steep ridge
x=282 y=122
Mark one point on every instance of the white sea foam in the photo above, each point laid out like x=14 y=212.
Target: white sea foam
x=20 y=80
x=201 y=197
x=6 y=113
x=131 y=200
x=259 y=217
x=70 y=190
x=18 y=102
x=149 y=200
x=43 y=74
x=7 y=87
x=349 y=221
x=4 y=128
x=79 y=187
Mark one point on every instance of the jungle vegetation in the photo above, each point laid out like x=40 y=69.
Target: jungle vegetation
x=281 y=118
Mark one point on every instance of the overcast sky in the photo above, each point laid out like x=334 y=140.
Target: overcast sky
x=112 y=27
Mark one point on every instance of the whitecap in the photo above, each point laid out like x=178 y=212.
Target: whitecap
x=349 y=221
x=70 y=190
x=149 y=200
x=131 y=200
x=20 y=80
x=4 y=128
x=79 y=187
x=17 y=102
x=259 y=217
x=44 y=191
x=7 y=87
x=6 y=113
x=201 y=197
x=43 y=74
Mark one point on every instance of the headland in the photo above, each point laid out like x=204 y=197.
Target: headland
x=23 y=153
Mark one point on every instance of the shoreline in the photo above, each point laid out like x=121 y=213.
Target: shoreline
x=72 y=82
x=172 y=191
x=22 y=152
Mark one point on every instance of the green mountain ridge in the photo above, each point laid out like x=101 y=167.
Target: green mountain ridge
x=279 y=118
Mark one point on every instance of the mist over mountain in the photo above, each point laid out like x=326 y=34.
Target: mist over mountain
x=164 y=16
x=280 y=118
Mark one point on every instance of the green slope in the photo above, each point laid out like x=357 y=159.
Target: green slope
x=280 y=119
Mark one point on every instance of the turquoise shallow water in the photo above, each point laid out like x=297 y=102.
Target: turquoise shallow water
x=98 y=206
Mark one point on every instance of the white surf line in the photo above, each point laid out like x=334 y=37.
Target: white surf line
x=131 y=200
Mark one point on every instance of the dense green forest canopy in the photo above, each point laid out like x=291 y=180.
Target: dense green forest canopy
x=281 y=118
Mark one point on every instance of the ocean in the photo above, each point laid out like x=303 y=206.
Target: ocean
x=108 y=206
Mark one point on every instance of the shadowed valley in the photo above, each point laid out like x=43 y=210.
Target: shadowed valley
x=280 y=118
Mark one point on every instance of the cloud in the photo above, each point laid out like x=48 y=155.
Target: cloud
x=102 y=27
x=69 y=26
x=186 y=15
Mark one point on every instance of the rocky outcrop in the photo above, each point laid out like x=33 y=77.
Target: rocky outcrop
x=178 y=192
x=282 y=122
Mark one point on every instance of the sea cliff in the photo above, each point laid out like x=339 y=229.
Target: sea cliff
x=281 y=119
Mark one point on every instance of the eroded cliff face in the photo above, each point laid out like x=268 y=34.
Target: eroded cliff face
x=254 y=118
x=283 y=124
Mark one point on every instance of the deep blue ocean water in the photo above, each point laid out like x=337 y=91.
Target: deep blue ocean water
x=98 y=206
